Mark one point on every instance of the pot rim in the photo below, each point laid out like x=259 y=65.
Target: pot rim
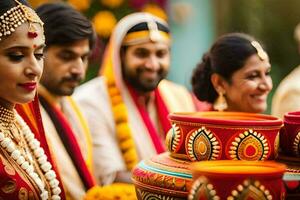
x=227 y=118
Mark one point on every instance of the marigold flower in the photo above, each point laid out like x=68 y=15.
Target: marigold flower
x=120 y=112
x=123 y=131
x=113 y=91
x=104 y=22
x=80 y=5
x=127 y=144
x=116 y=191
x=36 y=3
x=155 y=10
x=116 y=99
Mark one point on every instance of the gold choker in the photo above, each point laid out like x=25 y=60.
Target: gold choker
x=7 y=116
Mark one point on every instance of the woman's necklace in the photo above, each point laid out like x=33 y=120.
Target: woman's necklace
x=22 y=148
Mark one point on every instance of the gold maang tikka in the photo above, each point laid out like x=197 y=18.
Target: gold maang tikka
x=15 y=17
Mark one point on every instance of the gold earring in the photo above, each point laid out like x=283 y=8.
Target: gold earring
x=220 y=103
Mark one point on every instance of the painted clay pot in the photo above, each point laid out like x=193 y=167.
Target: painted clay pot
x=290 y=135
x=223 y=136
x=204 y=136
x=162 y=177
x=237 y=180
x=290 y=154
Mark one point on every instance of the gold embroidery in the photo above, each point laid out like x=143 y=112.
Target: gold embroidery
x=23 y=194
x=9 y=170
x=7 y=167
x=31 y=196
x=9 y=187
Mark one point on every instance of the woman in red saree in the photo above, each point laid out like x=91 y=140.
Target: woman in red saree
x=26 y=168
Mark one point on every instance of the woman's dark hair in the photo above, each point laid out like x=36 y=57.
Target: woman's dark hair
x=227 y=55
x=8 y=4
x=64 y=25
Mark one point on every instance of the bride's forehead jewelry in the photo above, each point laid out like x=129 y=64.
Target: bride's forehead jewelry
x=15 y=17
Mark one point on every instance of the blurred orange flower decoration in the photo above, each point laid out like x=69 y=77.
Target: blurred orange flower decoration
x=80 y=5
x=155 y=10
x=111 y=3
x=104 y=22
x=36 y=3
x=116 y=191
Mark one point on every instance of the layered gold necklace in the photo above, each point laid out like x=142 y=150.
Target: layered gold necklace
x=20 y=143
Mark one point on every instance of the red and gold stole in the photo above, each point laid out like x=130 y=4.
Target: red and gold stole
x=31 y=114
x=69 y=140
x=162 y=112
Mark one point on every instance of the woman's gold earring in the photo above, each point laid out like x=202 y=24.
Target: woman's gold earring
x=220 y=103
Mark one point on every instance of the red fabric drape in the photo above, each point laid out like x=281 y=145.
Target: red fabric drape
x=162 y=113
x=71 y=144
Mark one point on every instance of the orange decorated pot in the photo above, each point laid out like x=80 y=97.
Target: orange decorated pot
x=223 y=135
x=162 y=177
x=237 y=180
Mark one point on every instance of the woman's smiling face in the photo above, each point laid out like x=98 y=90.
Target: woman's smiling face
x=249 y=86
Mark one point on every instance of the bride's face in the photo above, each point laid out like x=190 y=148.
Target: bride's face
x=21 y=64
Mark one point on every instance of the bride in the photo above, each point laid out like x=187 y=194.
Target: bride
x=26 y=170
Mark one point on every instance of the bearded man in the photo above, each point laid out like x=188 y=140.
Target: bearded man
x=69 y=40
x=127 y=107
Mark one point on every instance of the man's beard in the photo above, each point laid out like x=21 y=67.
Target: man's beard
x=61 y=89
x=143 y=85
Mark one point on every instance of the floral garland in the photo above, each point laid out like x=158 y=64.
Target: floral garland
x=34 y=145
x=123 y=132
x=116 y=191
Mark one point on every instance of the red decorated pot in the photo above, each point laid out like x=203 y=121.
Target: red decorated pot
x=237 y=180
x=290 y=135
x=204 y=136
x=223 y=135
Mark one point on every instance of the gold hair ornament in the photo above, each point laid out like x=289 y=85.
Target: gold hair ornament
x=15 y=17
x=260 y=52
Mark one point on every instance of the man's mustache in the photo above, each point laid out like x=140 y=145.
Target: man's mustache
x=144 y=69
x=73 y=78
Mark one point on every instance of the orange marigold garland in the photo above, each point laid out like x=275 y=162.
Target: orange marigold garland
x=116 y=191
x=123 y=131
